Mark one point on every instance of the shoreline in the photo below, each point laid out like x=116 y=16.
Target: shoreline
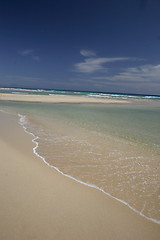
x=22 y=119
x=56 y=98
x=50 y=205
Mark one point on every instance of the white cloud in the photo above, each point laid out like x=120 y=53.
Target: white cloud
x=91 y=65
x=145 y=73
x=140 y=79
x=87 y=53
x=30 y=53
x=26 y=52
x=35 y=58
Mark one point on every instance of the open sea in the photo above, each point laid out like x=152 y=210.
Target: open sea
x=114 y=147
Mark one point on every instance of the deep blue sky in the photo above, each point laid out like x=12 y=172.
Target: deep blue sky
x=100 y=45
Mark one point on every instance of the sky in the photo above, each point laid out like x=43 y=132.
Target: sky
x=91 y=45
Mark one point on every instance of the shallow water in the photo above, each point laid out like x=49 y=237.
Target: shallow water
x=113 y=146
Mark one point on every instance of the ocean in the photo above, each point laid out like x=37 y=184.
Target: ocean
x=120 y=96
x=114 y=147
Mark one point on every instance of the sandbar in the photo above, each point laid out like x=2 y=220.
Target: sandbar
x=57 y=98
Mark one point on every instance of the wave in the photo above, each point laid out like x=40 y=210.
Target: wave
x=79 y=93
x=121 y=96
x=23 y=122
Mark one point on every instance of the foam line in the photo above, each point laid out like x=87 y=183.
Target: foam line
x=22 y=121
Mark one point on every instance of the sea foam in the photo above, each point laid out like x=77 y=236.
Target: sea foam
x=24 y=122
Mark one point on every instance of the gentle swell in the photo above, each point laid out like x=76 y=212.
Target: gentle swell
x=22 y=121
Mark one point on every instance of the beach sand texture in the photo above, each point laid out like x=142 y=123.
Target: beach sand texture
x=56 y=98
x=39 y=203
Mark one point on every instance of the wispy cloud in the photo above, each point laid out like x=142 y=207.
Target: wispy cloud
x=98 y=73
x=87 y=53
x=144 y=73
x=140 y=79
x=36 y=58
x=91 y=65
x=30 y=53
x=26 y=52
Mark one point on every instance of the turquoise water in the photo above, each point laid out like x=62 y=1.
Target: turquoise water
x=115 y=147
x=77 y=93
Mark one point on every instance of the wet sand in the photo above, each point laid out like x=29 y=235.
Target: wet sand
x=39 y=203
x=56 y=98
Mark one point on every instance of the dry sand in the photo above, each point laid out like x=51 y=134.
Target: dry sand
x=36 y=202
x=56 y=98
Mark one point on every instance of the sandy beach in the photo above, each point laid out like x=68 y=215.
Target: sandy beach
x=39 y=203
x=56 y=98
